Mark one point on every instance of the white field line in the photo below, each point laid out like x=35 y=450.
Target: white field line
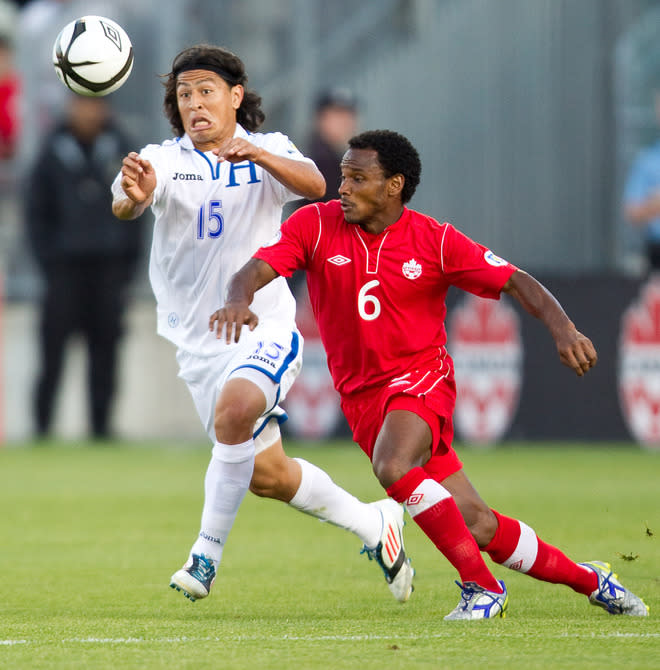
x=318 y=638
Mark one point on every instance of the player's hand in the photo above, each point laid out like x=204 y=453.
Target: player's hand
x=577 y=352
x=231 y=318
x=237 y=150
x=138 y=178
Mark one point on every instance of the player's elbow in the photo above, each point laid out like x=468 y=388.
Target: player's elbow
x=316 y=187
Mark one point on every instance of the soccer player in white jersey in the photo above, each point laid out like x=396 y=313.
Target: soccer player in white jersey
x=217 y=191
x=387 y=269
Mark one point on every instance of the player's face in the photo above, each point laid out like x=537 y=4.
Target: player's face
x=363 y=190
x=207 y=104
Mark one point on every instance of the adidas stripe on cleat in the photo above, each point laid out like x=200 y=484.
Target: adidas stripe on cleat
x=390 y=553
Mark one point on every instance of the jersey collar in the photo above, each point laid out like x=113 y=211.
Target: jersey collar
x=187 y=143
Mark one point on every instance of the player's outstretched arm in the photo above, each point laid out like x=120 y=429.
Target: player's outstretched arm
x=236 y=311
x=138 y=182
x=575 y=349
x=303 y=178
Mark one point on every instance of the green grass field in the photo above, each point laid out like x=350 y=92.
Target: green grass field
x=91 y=534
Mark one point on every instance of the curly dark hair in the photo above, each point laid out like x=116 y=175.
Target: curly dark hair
x=396 y=155
x=225 y=64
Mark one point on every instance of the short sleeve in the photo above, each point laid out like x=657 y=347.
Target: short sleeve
x=293 y=247
x=471 y=266
x=280 y=145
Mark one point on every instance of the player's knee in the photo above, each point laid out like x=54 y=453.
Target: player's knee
x=232 y=419
x=389 y=470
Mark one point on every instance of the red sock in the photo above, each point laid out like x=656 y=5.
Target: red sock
x=436 y=513
x=516 y=546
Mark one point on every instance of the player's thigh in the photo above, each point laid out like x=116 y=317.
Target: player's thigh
x=404 y=442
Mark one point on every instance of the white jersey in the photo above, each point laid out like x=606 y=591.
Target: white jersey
x=210 y=218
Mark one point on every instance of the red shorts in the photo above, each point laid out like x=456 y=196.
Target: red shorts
x=430 y=395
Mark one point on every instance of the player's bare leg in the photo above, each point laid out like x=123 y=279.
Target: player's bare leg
x=401 y=450
x=309 y=489
x=515 y=545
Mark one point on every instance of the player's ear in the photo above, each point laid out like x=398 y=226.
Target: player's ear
x=395 y=184
x=237 y=93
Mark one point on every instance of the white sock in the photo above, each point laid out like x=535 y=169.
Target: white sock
x=225 y=485
x=319 y=496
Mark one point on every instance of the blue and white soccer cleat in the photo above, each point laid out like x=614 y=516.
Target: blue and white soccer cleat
x=478 y=603
x=195 y=578
x=611 y=594
x=389 y=553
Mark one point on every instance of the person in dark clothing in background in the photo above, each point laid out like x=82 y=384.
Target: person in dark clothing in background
x=335 y=122
x=86 y=259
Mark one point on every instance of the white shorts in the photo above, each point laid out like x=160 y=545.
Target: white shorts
x=268 y=359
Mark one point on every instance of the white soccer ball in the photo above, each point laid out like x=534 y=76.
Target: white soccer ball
x=93 y=56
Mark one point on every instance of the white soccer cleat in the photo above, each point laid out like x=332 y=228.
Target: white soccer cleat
x=612 y=595
x=477 y=603
x=389 y=553
x=195 y=578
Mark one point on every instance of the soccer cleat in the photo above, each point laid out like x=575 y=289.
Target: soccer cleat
x=478 y=603
x=195 y=578
x=611 y=594
x=389 y=553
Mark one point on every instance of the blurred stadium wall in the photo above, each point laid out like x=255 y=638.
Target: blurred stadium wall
x=526 y=113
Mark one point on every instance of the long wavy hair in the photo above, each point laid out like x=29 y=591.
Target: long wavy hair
x=228 y=66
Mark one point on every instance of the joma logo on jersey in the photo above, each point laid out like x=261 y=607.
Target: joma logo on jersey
x=187 y=176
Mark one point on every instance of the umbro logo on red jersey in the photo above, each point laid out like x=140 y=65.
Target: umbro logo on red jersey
x=339 y=260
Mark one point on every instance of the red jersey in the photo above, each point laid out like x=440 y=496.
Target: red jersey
x=379 y=300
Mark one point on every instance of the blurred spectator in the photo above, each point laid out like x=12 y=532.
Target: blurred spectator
x=641 y=201
x=86 y=258
x=9 y=88
x=335 y=122
x=43 y=102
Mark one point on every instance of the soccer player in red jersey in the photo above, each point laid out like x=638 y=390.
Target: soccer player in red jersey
x=378 y=274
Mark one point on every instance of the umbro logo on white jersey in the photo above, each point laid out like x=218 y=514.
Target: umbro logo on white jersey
x=187 y=176
x=339 y=260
